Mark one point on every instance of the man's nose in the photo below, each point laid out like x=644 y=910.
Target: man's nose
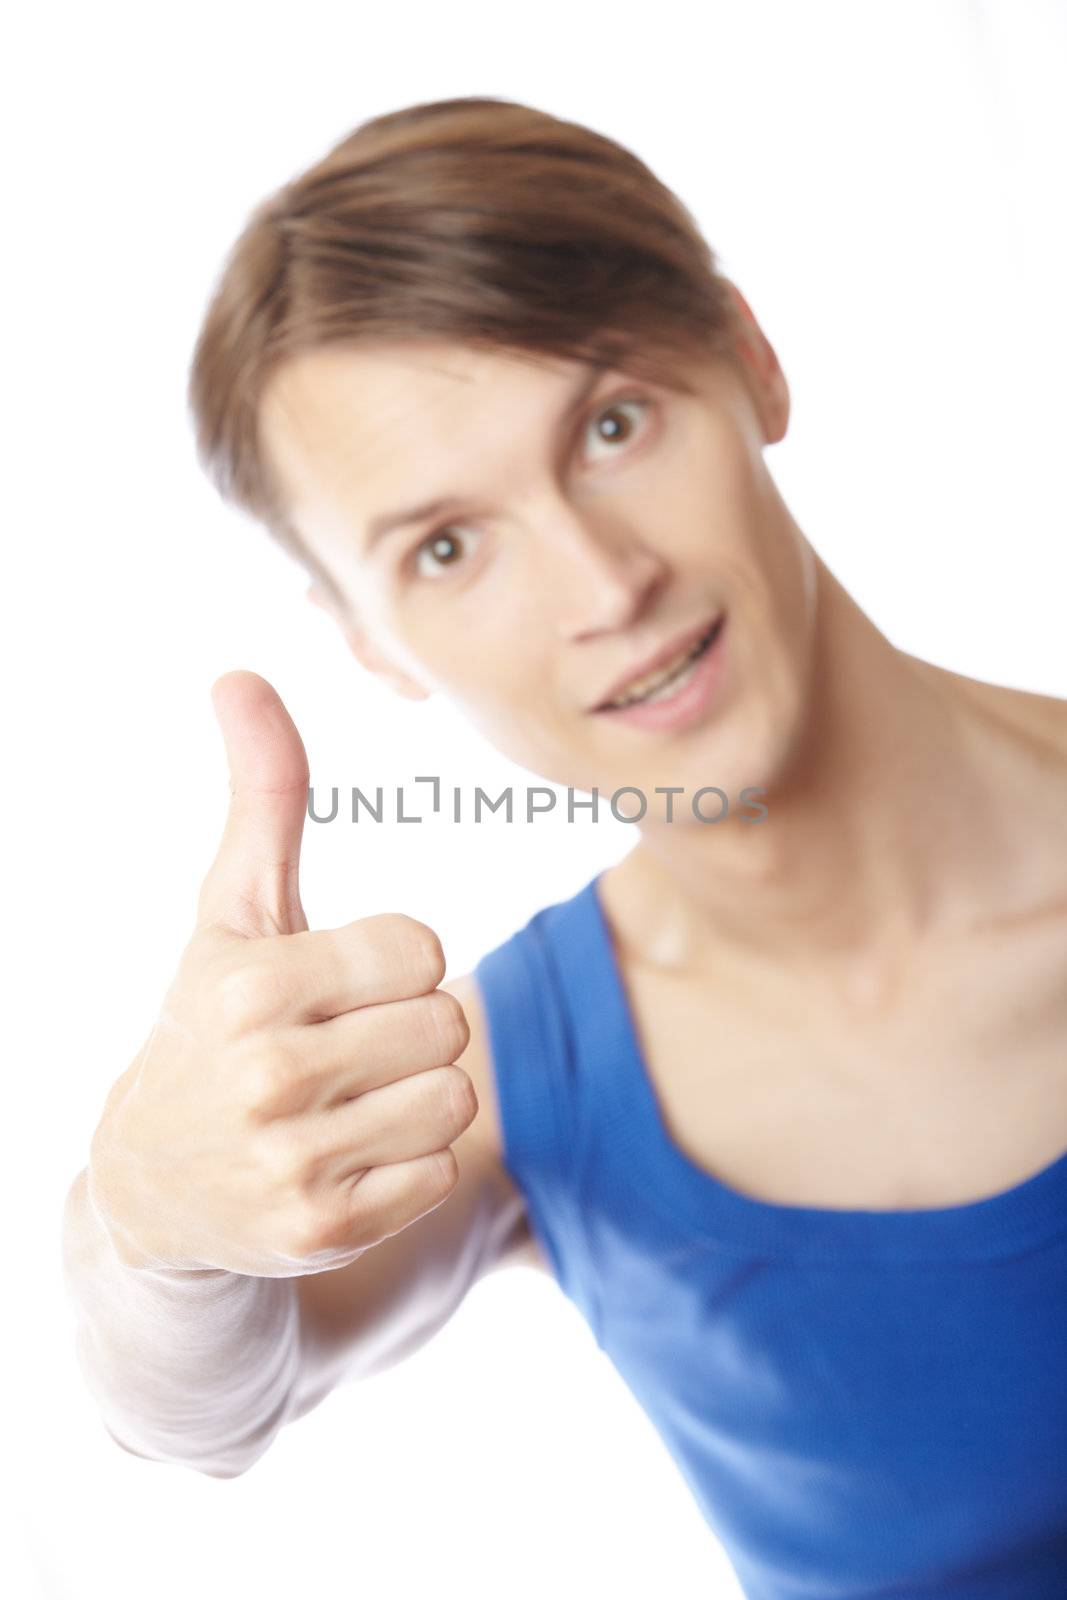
x=602 y=578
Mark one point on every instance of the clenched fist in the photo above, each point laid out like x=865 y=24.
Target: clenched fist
x=297 y=1097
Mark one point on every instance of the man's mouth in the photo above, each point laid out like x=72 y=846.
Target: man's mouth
x=665 y=680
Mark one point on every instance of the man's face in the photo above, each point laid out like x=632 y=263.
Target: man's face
x=566 y=552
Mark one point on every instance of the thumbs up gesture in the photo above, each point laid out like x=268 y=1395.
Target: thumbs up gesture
x=297 y=1097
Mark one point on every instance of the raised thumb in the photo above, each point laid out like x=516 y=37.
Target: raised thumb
x=252 y=887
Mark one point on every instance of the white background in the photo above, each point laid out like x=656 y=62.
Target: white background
x=885 y=183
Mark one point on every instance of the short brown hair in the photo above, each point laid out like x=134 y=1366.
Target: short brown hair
x=474 y=220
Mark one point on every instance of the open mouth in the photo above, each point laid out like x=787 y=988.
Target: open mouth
x=665 y=681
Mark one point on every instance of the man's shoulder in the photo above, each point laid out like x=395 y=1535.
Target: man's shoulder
x=1045 y=714
x=1037 y=716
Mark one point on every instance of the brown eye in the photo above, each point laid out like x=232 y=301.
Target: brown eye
x=609 y=429
x=440 y=551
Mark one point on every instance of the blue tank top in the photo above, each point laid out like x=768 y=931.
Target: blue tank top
x=863 y=1403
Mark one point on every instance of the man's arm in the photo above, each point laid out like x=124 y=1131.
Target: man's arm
x=204 y=1369
x=197 y=1369
x=365 y=1317
x=296 y=1103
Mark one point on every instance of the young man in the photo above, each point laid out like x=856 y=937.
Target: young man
x=782 y=1106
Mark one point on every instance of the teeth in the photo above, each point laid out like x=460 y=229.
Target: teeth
x=652 y=680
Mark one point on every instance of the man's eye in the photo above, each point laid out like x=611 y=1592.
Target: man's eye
x=439 y=548
x=614 y=410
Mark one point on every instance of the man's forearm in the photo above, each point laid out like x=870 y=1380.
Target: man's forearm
x=199 y=1370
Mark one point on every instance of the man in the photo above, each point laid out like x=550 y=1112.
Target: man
x=781 y=1104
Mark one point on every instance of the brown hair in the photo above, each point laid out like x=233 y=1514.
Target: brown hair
x=472 y=220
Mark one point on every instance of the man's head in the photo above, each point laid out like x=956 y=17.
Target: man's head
x=580 y=529
x=472 y=302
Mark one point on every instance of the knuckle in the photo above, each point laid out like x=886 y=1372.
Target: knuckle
x=341 y=1229
x=297 y=1170
x=360 y=1229
x=446 y=1171
x=304 y=1173
x=461 y=1102
x=418 y=949
x=311 y=1233
x=451 y=1028
x=245 y=993
x=269 y=1079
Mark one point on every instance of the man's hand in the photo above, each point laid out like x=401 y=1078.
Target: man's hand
x=296 y=1100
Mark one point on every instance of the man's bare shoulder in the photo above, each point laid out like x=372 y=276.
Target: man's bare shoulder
x=1025 y=736
x=1040 y=718
x=485 y=1132
x=1044 y=715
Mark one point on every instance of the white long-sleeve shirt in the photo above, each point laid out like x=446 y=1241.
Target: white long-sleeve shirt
x=198 y=1369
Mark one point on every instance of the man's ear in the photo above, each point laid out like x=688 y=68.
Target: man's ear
x=760 y=368
x=365 y=652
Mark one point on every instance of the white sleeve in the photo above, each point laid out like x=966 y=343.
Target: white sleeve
x=198 y=1369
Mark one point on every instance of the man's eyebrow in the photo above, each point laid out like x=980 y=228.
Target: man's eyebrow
x=378 y=526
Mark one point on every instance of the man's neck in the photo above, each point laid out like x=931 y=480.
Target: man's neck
x=894 y=823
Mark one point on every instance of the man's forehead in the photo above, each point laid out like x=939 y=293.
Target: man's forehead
x=308 y=386
x=332 y=409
